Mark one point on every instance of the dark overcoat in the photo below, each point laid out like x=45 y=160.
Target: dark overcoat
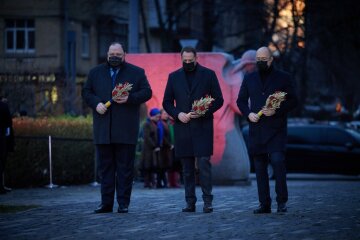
x=195 y=138
x=269 y=133
x=165 y=149
x=149 y=145
x=120 y=123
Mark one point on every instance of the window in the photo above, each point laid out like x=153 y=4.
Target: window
x=19 y=36
x=85 y=42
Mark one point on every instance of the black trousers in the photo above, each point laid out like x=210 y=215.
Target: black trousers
x=277 y=160
x=205 y=179
x=116 y=168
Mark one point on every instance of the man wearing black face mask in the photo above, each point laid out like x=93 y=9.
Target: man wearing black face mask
x=267 y=135
x=193 y=132
x=116 y=128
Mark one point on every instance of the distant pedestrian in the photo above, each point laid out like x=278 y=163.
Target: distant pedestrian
x=151 y=148
x=172 y=163
x=6 y=140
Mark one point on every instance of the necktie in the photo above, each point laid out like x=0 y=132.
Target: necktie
x=113 y=76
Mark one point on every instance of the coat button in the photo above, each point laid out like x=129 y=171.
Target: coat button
x=263 y=93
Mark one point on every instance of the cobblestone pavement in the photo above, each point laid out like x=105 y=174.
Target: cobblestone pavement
x=326 y=209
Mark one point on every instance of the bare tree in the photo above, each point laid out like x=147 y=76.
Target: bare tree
x=333 y=53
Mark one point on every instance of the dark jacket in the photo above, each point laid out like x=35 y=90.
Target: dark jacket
x=165 y=149
x=120 y=124
x=149 y=145
x=269 y=134
x=7 y=142
x=195 y=138
x=5 y=118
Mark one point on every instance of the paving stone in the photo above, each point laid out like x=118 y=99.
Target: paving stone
x=316 y=210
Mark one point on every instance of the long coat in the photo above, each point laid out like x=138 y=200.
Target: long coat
x=165 y=149
x=149 y=144
x=195 y=138
x=269 y=134
x=120 y=123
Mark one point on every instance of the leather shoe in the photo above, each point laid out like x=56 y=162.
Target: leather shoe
x=103 y=209
x=208 y=208
x=189 y=208
x=123 y=209
x=282 y=208
x=7 y=189
x=262 y=209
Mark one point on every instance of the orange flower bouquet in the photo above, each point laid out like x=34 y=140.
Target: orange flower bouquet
x=120 y=90
x=273 y=101
x=202 y=105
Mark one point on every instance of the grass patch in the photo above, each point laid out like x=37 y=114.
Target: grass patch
x=16 y=208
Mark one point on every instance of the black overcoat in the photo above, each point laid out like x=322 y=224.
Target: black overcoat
x=269 y=133
x=120 y=123
x=195 y=138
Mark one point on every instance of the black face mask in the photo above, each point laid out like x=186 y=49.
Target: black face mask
x=188 y=67
x=115 y=62
x=262 y=66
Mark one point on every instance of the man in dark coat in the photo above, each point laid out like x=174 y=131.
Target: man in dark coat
x=5 y=147
x=116 y=128
x=193 y=132
x=268 y=133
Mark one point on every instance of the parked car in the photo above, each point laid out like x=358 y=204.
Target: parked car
x=319 y=148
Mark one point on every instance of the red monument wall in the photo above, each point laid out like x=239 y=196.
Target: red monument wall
x=157 y=68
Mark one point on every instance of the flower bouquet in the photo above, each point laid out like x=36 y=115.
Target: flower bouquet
x=202 y=105
x=120 y=90
x=273 y=101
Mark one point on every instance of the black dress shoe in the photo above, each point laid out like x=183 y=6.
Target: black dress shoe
x=208 y=208
x=262 y=209
x=103 y=209
x=189 y=208
x=123 y=209
x=7 y=189
x=282 y=208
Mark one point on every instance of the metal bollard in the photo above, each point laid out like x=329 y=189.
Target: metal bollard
x=51 y=185
x=95 y=183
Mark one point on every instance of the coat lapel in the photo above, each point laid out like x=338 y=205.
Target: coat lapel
x=197 y=77
x=258 y=81
x=270 y=80
x=107 y=80
x=183 y=80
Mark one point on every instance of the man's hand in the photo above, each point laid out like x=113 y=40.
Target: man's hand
x=100 y=108
x=268 y=112
x=183 y=117
x=194 y=115
x=157 y=149
x=253 y=117
x=122 y=99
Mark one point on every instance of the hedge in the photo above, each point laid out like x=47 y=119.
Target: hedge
x=72 y=152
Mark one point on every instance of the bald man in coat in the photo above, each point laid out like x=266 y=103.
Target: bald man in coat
x=268 y=133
